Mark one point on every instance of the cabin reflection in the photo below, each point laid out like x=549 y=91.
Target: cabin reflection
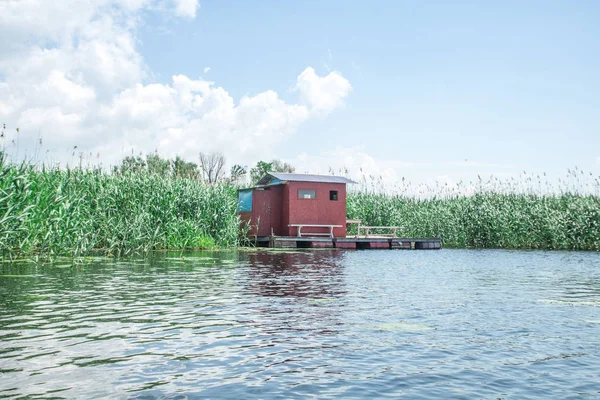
x=301 y=292
x=315 y=275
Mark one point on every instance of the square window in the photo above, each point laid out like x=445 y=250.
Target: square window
x=307 y=194
x=333 y=195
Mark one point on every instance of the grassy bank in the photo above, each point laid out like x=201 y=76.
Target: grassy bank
x=488 y=219
x=75 y=211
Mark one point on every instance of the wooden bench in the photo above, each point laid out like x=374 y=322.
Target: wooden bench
x=368 y=228
x=300 y=226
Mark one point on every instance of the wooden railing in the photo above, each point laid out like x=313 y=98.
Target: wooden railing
x=367 y=230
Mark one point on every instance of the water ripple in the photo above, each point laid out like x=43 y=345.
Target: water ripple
x=294 y=324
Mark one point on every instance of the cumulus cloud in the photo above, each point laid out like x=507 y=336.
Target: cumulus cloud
x=323 y=94
x=352 y=162
x=81 y=81
x=186 y=8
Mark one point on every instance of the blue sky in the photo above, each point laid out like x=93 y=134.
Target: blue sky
x=427 y=90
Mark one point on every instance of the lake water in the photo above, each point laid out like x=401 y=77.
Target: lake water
x=323 y=324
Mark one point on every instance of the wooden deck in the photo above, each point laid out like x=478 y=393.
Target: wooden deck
x=350 y=243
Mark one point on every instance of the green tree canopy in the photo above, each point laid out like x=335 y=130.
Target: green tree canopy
x=154 y=164
x=263 y=167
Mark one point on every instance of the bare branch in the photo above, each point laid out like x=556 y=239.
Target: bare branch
x=212 y=166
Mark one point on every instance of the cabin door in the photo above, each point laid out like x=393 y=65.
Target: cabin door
x=264 y=206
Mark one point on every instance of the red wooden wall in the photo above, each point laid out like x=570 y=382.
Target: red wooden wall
x=320 y=210
x=274 y=207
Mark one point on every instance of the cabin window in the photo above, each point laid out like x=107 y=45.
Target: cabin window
x=244 y=201
x=307 y=194
x=333 y=195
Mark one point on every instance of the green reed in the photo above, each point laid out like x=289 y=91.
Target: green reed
x=51 y=211
x=515 y=214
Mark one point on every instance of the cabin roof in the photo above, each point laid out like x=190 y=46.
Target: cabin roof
x=280 y=177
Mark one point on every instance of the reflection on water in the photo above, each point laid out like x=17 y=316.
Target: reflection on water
x=286 y=324
x=296 y=274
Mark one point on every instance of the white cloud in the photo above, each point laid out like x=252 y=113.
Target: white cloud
x=352 y=162
x=186 y=8
x=323 y=94
x=206 y=70
x=392 y=175
x=70 y=72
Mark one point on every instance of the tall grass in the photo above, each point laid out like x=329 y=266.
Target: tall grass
x=75 y=211
x=512 y=214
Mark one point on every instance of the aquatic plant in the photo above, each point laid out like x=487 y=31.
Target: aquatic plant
x=517 y=214
x=75 y=211
x=52 y=211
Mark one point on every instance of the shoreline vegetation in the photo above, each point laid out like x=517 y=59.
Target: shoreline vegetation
x=48 y=212
x=489 y=219
x=74 y=212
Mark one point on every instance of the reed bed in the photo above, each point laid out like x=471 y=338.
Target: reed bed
x=514 y=214
x=48 y=212
x=74 y=212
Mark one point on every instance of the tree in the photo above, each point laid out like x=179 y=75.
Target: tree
x=135 y=164
x=212 y=166
x=282 y=166
x=262 y=168
x=157 y=165
x=184 y=169
x=237 y=173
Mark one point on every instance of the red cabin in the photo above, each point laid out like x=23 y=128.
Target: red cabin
x=282 y=204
